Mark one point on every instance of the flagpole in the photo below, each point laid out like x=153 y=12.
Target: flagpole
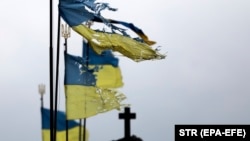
x=89 y=23
x=84 y=128
x=66 y=35
x=57 y=72
x=41 y=90
x=51 y=72
x=80 y=129
x=85 y=119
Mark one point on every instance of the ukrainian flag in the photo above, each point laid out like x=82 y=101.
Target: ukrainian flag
x=73 y=127
x=91 y=82
x=100 y=41
x=75 y=13
x=93 y=70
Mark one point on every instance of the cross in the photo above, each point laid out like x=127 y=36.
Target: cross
x=127 y=116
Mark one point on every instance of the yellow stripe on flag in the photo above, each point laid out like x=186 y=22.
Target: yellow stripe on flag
x=86 y=101
x=106 y=81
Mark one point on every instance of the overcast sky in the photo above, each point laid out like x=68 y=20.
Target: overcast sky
x=205 y=78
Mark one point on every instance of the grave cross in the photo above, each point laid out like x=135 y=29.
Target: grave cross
x=127 y=116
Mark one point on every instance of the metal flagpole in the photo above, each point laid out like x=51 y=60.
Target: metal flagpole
x=41 y=90
x=57 y=72
x=84 y=128
x=80 y=129
x=85 y=119
x=51 y=73
x=66 y=35
x=89 y=23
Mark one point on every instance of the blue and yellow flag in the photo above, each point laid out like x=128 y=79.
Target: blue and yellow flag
x=93 y=70
x=91 y=82
x=127 y=46
x=73 y=127
x=74 y=13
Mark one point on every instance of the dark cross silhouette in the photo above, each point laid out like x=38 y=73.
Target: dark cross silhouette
x=127 y=116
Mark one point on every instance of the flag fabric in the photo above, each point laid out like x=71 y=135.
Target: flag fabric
x=91 y=82
x=97 y=70
x=127 y=46
x=74 y=13
x=87 y=101
x=131 y=26
x=73 y=127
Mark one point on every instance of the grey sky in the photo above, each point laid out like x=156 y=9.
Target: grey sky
x=205 y=78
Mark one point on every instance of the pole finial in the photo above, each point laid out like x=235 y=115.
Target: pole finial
x=65 y=31
x=41 y=89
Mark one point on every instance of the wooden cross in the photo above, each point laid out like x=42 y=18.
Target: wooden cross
x=127 y=116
